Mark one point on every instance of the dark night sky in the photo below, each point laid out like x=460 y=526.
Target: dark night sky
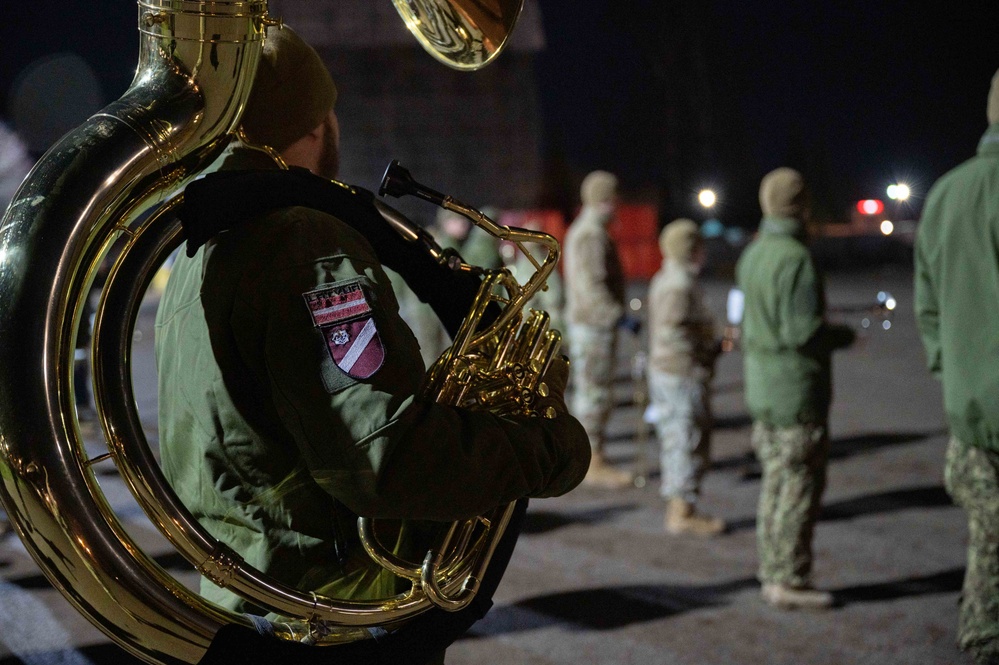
x=855 y=93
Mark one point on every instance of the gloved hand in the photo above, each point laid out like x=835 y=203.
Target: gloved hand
x=555 y=380
x=840 y=336
x=630 y=323
x=569 y=437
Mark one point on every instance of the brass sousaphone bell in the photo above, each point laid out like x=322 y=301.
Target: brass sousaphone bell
x=115 y=181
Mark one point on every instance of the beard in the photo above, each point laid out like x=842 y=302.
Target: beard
x=329 y=160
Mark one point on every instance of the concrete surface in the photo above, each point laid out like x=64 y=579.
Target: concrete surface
x=596 y=580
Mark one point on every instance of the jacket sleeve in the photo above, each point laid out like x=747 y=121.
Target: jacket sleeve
x=927 y=308
x=805 y=327
x=801 y=318
x=373 y=443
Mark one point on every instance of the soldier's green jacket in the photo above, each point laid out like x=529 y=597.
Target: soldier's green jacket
x=957 y=291
x=787 y=344
x=272 y=447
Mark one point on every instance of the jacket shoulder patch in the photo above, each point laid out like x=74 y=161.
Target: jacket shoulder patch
x=343 y=316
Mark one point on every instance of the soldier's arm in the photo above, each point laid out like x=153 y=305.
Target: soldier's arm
x=372 y=442
x=591 y=265
x=807 y=326
x=927 y=308
x=670 y=307
x=708 y=344
x=801 y=318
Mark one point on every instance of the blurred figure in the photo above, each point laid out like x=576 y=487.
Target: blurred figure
x=549 y=300
x=957 y=286
x=14 y=164
x=594 y=308
x=421 y=319
x=476 y=246
x=683 y=348
x=787 y=347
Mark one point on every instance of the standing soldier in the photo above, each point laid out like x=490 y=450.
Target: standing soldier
x=682 y=352
x=594 y=307
x=787 y=348
x=957 y=284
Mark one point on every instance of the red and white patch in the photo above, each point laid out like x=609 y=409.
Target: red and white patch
x=344 y=317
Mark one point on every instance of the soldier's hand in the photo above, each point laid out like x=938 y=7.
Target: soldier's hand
x=555 y=380
x=631 y=323
x=842 y=336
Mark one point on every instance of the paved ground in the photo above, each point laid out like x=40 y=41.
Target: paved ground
x=595 y=580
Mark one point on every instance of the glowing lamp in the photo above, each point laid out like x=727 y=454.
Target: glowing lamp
x=707 y=198
x=870 y=207
x=899 y=192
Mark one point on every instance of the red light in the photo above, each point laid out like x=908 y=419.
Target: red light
x=870 y=207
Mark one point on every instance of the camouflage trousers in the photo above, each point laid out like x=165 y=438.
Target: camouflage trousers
x=591 y=352
x=682 y=406
x=971 y=476
x=794 y=475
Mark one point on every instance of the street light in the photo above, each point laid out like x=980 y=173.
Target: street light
x=707 y=198
x=899 y=192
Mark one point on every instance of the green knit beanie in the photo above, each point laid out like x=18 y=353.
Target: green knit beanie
x=783 y=194
x=292 y=92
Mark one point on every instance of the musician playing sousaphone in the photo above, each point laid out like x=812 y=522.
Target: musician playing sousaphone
x=289 y=386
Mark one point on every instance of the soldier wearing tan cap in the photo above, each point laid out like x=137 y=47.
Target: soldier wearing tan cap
x=787 y=348
x=683 y=347
x=594 y=301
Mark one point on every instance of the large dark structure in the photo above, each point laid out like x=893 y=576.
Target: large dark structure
x=475 y=135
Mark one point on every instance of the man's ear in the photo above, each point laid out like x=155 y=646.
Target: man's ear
x=317 y=132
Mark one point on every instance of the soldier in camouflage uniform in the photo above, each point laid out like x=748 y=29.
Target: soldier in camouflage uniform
x=787 y=348
x=289 y=388
x=683 y=347
x=957 y=284
x=594 y=307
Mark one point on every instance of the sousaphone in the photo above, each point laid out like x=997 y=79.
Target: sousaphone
x=115 y=181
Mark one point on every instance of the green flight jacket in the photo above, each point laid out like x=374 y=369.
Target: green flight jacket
x=273 y=448
x=786 y=343
x=957 y=292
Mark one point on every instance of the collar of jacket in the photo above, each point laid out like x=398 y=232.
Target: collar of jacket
x=675 y=267
x=785 y=226
x=989 y=144
x=597 y=215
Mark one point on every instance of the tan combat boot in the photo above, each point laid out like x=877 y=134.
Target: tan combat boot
x=604 y=476
x=681 y=519
x=790 y=598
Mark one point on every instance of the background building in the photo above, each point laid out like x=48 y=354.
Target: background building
x=474 y=135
